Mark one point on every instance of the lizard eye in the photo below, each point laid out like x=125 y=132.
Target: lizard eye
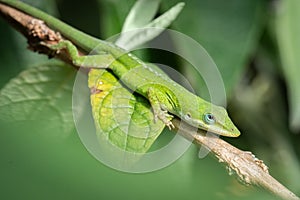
x=188 y=116
x=209 y=118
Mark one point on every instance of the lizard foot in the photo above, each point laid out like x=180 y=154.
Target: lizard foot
x=165 y=118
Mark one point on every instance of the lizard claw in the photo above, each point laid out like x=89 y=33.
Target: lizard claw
x=170 y=125
x=165 y=117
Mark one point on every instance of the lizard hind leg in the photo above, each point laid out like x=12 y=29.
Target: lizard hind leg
x=101 y=61
x=155 y=97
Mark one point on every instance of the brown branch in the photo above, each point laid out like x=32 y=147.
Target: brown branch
x=38 y=34
x=247 y=167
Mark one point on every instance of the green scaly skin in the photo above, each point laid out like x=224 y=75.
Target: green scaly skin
x=166 y=96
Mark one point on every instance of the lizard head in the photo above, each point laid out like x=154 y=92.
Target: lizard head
x=211 y=118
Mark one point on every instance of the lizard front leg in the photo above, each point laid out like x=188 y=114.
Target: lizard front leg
x=155 y=97
x=102 y=61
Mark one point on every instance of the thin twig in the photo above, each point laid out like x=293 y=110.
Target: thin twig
x=246 y=166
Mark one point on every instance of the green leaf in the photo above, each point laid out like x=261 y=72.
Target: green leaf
x=228 y=30
x=137 y=35
x=41 y=94
x=140 y=14
x=112 y=16
x=288 y=31
x=125 y=119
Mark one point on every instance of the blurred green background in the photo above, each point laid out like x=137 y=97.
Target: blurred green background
x=255 y=44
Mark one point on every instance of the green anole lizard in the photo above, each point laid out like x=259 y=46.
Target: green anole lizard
x=167 y=98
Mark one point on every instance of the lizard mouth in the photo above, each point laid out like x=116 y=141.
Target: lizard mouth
x=223 y=132
x=217 y=128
